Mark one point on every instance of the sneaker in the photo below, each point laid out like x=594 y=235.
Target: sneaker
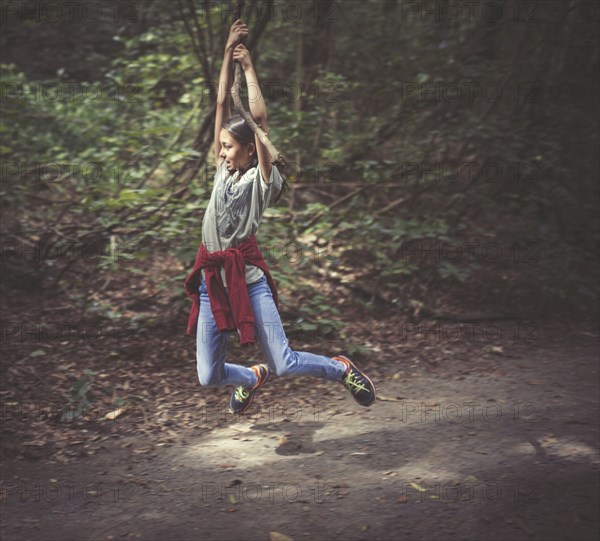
x=242 y=397
x=357 y=383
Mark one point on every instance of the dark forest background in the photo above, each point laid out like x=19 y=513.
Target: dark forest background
x=443 y=160
x=441 y=230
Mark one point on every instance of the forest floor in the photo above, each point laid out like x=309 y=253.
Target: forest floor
x=485 y=430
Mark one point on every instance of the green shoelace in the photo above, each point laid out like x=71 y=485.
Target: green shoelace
x=353 y=384
x=241 y=394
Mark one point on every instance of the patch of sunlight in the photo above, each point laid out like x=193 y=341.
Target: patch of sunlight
x=423 y=470
x=524 y=448
x=568 y=448
x=237 y=443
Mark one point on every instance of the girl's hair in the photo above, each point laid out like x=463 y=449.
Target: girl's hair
x=237 y=126
x=243 y=134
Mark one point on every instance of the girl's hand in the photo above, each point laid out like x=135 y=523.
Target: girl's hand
x=242 y=55
x=237 y=32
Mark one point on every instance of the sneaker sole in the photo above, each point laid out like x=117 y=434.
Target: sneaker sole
x=244 y=410
x=251 y=396
x=365 y=376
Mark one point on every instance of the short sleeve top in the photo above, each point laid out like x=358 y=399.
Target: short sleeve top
x=235 y=210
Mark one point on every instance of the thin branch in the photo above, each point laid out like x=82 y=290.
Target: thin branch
x=199 y=49
x=175 y=140
x=201 y=39
x=276 y=156
x=317 y=216
x=189 y=31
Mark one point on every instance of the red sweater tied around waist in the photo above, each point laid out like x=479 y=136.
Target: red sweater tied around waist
x=233 y=311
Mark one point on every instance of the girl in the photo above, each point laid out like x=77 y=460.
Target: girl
x=231 y=286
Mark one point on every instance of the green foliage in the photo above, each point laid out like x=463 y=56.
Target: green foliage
x=80 y=397
x=116 y=163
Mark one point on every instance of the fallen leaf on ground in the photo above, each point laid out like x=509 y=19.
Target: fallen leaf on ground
x=276 y=536
x=114 y=414
x=387 y=398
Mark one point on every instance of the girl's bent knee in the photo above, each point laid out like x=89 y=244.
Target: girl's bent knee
x=282 y=371
x=288 y=364
x=210 y=379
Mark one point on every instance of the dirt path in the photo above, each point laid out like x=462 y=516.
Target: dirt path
x=506 y=447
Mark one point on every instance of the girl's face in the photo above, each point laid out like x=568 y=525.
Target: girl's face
x=237 y=156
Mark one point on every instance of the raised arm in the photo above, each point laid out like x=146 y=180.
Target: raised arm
x=258 y=108
x=237 y=32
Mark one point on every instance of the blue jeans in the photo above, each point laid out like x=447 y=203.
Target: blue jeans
x=211 y=345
